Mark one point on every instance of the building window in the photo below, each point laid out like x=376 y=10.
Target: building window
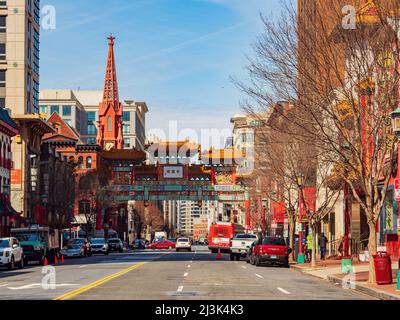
x=84 y=207
x=91 y=129
x=36 y=58
x=2 y=51
x=127 y=143
x=91 y=118
x=3 y=24
x=36 y=11
x=89 y=163
x=126 y=129
x=68 y=122
x=80 y=162
x=126 y=116
x=66 y=111
x=43 y=109
x=2 y=78
x=109 y=124
x=54 y=109
x=35 y=96
x=91 y=141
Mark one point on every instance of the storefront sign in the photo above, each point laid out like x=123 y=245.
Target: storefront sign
x=397 y=189
x=16 y=177
x=173 y=172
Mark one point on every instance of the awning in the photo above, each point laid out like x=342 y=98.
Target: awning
x=79 y=219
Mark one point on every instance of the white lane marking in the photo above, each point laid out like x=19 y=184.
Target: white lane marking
x=186 y=274
x=283 y=291
x=3 y=285
x=189 y=266
x=83 y=266
x=38 y=285
x=180 y=289
x=236 y=262
x=257 y=275
x=244 y=267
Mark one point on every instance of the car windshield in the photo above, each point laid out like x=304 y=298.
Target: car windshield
x=113 y=241
x=30 y=237
x=74 y=247
x=245 y=236
x=4 y=243
x=274 y=241
x=98 y=241
x=183 y=240
x=77 y=241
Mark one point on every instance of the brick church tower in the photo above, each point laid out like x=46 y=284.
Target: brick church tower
x=109 y=134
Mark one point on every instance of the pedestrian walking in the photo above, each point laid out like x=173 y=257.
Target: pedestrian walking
x=323 y=241
x=309 y=246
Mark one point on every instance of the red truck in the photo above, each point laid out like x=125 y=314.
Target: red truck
x=220 y=237
x=272 y=250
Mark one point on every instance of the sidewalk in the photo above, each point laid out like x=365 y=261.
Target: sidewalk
x=331 y=270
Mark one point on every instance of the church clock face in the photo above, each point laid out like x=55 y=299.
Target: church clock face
x=109 y=146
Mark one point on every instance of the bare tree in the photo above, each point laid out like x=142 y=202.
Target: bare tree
x=344 y=82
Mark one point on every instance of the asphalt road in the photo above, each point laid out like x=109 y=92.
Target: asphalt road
x=166 y=275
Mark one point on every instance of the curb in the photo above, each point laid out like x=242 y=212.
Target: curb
x=364 y=289
x=297 y=267
x=357 y=287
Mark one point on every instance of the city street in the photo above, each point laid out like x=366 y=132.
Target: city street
x=167 y=275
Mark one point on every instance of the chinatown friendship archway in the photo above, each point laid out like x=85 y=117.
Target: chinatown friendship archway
x=171 y=176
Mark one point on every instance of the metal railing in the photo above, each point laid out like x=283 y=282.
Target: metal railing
x=356 y=246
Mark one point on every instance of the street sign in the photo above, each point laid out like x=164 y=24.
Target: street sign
x=397 y=189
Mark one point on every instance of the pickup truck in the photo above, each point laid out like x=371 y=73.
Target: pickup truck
x=241 y=244
x=272 y=250
x=37 y=242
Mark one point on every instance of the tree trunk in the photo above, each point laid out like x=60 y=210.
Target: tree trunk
x=372 y=247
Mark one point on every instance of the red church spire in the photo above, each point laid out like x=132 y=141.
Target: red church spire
x=110 y=112
x=111 y=84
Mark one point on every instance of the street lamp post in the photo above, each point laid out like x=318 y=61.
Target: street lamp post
x=396 y=129
x=300 y=255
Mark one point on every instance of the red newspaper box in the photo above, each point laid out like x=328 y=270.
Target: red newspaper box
x=383 y=268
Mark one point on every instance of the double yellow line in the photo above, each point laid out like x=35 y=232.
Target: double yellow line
x=74 y=293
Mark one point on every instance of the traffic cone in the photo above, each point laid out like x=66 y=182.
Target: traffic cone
x=45 y=262
x=62 y=258
x=55 y=259
x=219 y=255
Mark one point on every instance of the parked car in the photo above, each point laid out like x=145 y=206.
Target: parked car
x=99 y=245
x=115 y=245
x=250 y=253
x=241 y=244
x=84 y=243
x=139 y=244
x=163 y=244
x=11 y=253
x=271 y=251
x=183 y=244
x=74 y=250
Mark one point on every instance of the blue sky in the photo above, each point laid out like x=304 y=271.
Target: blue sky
x=177 y=55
